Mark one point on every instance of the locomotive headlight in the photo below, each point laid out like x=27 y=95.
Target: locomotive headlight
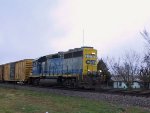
x=93 y=53
x=100 y=71
x=88 y=61
x=88 y=71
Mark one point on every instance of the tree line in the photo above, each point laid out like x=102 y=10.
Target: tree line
x=130 y=67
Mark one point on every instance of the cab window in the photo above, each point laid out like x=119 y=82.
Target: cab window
x=90 y=56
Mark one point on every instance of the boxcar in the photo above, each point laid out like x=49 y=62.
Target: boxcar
x=17 y=71
x=23 y=69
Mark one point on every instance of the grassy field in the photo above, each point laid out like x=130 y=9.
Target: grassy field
x=21 y=101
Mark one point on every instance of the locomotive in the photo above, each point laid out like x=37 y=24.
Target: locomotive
x=71 y=68
x=75 y=67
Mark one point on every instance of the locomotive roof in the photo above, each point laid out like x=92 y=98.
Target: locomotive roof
x=62 y=52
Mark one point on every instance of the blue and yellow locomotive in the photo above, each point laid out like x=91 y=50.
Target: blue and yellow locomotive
x=71 y=67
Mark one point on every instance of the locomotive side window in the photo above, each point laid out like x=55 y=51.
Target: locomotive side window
x=55 y=56
x=68 y=55
x=78 y=54
x=34 y=64
x=73 y=54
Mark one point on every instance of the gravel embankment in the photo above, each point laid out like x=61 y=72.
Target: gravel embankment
x=117 y=99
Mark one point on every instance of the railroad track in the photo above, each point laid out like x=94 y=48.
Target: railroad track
x=144 y=93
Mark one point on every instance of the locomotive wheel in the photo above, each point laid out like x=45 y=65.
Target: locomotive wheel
x=36 y=81
x=70 y=83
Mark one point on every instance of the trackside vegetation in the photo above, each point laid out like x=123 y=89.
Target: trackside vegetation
x=24 y=101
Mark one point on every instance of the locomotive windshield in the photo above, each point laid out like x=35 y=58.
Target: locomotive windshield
x=90 y=56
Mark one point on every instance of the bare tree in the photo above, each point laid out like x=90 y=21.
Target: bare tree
x=145 y=77
x=146 y=36
x=126 y=68
x=145 y=71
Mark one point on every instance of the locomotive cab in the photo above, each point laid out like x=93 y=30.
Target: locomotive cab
x=89 y=61
x=89 y=74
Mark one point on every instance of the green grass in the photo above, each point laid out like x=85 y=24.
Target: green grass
x=22 y=101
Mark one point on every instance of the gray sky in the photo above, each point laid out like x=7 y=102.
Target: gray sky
x=32 y=28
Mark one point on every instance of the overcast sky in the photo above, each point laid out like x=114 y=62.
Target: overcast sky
x=31 y=28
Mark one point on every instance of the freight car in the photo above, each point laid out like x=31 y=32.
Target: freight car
x=18 y=71
x=71 y=68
